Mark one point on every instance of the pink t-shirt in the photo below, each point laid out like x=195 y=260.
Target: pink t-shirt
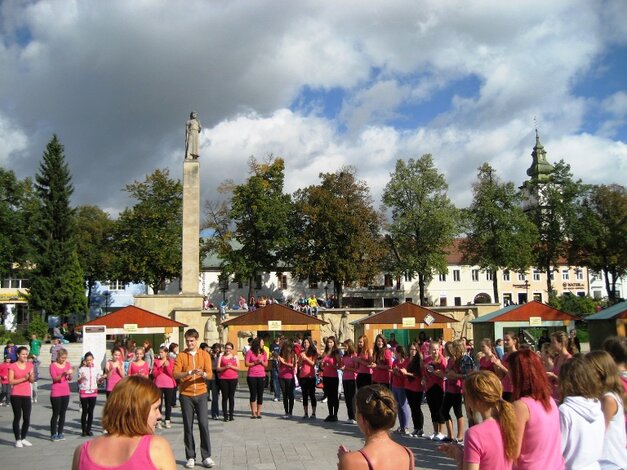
x=135 y=369
x=349 y=364
x=228 y=374
x=557 y=366
x=430 y=367
x=139 y=459
x=412 y=383
x=60 y=386
x=23 y=389
x=329 y=366
x=285 y=371
x=484 y=445
x=257 y=370
x=398 y=379
x=485 y=363
x=114 y=375
x=362 y=368
x=163 y=373
x=306 y=369
x=453 y=385
x=4 y=372
x=506 y=381
x=382 y=375
x=541 y=442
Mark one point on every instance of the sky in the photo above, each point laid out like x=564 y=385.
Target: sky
x=320 y=84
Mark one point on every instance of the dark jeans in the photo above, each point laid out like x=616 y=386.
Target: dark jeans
x=332 y=385
x=215 y=396
x=363 y=380
x=228 y=387
x=59 y=407
x=415 y=402
x=190 y=407
x=350 y=387
x=87 y=415
x=435 y=395
x=276 y=386
x=255 y=386
x=287 y=390
x=168 y=396
x=21 y=408
x=308 y=387
x=451 y=400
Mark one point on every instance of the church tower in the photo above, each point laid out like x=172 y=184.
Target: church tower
x=539 y=174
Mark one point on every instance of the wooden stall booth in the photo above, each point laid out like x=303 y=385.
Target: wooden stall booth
x=530 y=319
x=269 y=322
x=406 y=321
x=609 y=322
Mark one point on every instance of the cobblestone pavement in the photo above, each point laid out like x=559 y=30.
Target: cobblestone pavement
x=266 y=444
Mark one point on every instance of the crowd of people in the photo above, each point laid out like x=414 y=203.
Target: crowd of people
x=513 y=408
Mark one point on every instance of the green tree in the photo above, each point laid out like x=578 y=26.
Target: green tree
x=423 y=224
x=336 y=232
x=574 y=304
x=12 y=237
x=553 y=209
x=251 y=231
x=148 y=237
x=600 y=234
x=498 y=233
x=94 y=244
x=57 y=283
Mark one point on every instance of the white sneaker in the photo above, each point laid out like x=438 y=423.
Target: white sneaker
x=432 y=436
x=324 y=400
x=208 y=462
x=26 y=443
x=19 y=444
x=191 y=463
x=351 y=421
x=439 y=437
x=168 y=424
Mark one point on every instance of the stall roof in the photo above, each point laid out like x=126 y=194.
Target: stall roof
x=514 y=313
x=134 y=315
x=615 y=312
x=274 y=312
x=404 y=310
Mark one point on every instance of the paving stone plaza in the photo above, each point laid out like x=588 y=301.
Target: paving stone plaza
x=266 y=444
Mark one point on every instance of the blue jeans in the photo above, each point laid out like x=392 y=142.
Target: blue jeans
x=276 y=386
x=403 y=406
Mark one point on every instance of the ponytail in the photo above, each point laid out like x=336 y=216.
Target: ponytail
x=507 y=422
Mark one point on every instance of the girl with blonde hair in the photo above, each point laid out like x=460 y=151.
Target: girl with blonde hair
x=453 y=390
x=493 y=443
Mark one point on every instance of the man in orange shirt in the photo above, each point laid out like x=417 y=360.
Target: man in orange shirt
x=192 y=368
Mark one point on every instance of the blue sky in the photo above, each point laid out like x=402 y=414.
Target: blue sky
x=359 y=83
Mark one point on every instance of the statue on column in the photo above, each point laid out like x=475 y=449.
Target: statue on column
x=192 y=134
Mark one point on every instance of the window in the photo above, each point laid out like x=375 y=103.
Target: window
x=552 y=273
x=536 y=274
x=537 y=296
x=442 y=277
x=597 y=294
x=408 y=277
x=506 y=275
x=409 y=299
x=442 y=301
x=521 y=277
x=113 y=285
x=565 y=275
x=475 y=274
x=388 y=281
x=579 y=274
x=283 y=281
x=595 y=276
x=458 y=301
x=457 y=275
x=15 y=283
x=507 y=299
x=313 y=284
x=489 y=275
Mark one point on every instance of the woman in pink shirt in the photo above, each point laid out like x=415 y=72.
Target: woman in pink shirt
x=435 y=366
x=349 y=374
x=398 y=389
x=287 y=364
x=163 y=376
x=537 y=417
x=307 y=376
x=453 y=390
x=363 y=360
x=413 y=370
x=256 y=360
x=559 y=344
x=381 y=362
x=510 y=346
x=21 y=377
x=114 y=370
x=139 y=366
x=490 y=360
x=228 y=369
x=492 y=444
x=61 y=373
x=331 y=361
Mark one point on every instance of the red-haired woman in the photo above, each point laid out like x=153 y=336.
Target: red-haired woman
x=363 y=360
x=382 y=362
x=537 y=416
x=559 y=344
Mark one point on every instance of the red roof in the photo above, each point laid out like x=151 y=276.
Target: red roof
x=134 y=315
x=523 y=312
x=274 y=312
x=405 y=310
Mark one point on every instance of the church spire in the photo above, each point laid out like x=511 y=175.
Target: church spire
x=540 y=168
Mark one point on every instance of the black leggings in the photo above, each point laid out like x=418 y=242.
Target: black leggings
x=415 y=401
x=256 y=386
x=308 y=387
x=349 y=387
x=451 y=400
x=287 y=390
x=363 y=380
x=21 y=408
x=168 y=397
x=435 y=395
x=59 y=407
x=332 y=385
x=227 y=387
x=87 y=415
